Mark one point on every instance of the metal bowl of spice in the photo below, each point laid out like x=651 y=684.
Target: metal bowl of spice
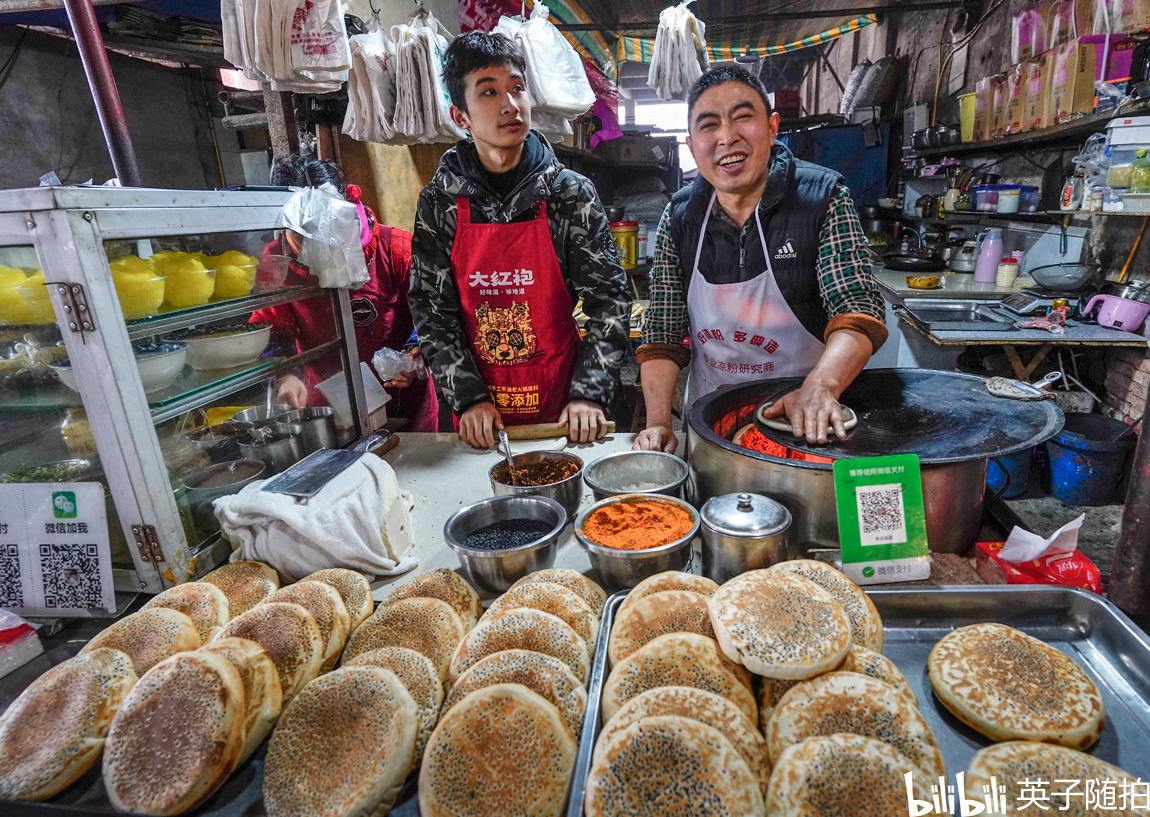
x=553 y=474
x=502 y=539
x=634 y=536
x=636 y=472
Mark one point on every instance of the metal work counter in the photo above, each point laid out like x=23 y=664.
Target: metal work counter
x=953 y=285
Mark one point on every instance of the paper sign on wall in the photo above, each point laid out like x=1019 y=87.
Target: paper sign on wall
x=55 y=557
x=882 y=521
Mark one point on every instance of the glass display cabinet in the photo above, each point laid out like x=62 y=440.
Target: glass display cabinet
x=144 y=334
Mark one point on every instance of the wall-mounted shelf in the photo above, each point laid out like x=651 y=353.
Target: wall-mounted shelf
x=1067 y=133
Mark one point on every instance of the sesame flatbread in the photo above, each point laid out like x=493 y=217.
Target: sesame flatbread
x=849 y=702
x=343 y=746
x=429 y=626
x=554 y=599
x=670 y=611
x=867 y=662
x=353 y=588
x=866 y=623
x=678 y=659
x=668 y=580
x=445 y=585
x=1011 y=686
x=148 y=637
x=697 y=705
x=502 y=750
x=326 y=605
x=843 y=775
x=779 y=625
x=290 y=637
x=245 y=584
x=202 y=602
x=670 y=765
x=263 y=699
x=418 y=676
x=573 y=580
x=522 y=629
x=54 y=732
x=542 y=674
x=177 y=737
x=1013 y=762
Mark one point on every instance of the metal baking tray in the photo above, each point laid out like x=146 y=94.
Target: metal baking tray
x=1113 y=650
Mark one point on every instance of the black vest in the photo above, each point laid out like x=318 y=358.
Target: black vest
x=792 y=211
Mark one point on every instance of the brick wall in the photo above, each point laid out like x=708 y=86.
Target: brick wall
x=1127 y=379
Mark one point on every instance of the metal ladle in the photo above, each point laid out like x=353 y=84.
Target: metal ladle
x=507 y=455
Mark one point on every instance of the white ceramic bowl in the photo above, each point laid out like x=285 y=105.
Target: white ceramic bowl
x=228 y=349
x=159 y=366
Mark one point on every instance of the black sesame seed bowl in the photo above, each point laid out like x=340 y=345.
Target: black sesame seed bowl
x=496 y=558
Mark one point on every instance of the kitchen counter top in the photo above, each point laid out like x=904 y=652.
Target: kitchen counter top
x=954 y=285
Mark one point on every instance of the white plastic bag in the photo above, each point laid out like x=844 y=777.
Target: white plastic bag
x=422 y=105
x=331 y=247
x=555 y=73
x=680 y=56
x=371 y=86
x=318 y=39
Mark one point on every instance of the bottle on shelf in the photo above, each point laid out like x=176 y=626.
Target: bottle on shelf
x=1139 y=174
x=1072 y=193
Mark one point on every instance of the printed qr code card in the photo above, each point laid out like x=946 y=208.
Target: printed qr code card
x=882 y=522
x=55 y=557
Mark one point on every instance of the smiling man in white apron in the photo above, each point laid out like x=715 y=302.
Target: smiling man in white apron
x=759 y=268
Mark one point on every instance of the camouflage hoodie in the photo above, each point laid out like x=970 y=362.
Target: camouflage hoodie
x=583 y=244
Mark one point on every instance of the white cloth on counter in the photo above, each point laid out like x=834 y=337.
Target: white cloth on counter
x=360 y=520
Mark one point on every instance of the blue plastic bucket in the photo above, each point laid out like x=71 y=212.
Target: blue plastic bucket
x=1018 y=466
x=1085 y=462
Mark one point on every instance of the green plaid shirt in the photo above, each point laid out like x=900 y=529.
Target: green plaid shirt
x=844 y=271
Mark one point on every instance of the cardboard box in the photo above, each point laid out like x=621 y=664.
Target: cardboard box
x=983 y=109
x=1000 y=88
x=1129 y=15
x=1075 y=68
x=1016 y=79
x=1036 y=115
x=638 y=149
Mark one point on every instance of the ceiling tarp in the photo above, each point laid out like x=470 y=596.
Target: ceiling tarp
x=725 y=42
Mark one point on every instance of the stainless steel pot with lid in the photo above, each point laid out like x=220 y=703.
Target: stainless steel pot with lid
x=742 y=532
x=948 y=419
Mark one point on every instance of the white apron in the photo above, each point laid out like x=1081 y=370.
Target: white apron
x=744 y=331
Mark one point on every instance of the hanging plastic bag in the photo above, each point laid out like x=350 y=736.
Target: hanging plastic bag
x=555 y=72
x=318 y=39
x=371 y=86
x=680 y=56
x=422 y=105
x=329 y=224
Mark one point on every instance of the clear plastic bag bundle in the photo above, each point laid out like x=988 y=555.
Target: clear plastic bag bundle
x=331 y=248
x=556 y=77
x=390 y=363
x=422 y=105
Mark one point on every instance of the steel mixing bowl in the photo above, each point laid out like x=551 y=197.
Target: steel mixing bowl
x=614 y=474
x=623 y=569
x=567 y=492
x=492 y=572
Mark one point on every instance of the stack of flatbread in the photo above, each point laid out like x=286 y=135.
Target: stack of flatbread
x=508 y=731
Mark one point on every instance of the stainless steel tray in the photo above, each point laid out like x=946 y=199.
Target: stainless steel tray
x=1088 y=628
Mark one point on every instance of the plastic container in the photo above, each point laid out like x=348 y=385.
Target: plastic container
x=1118 y=176
x=966 y=116
x=190 y=287
x=986 y=198
x=1030 y=197
x=1112 y=200
x=1136 y=202
x=1084 y=461
x=641 y=245
x=1009 y=198
x=1017 y=466
x=1007 y=272
x=1139 y=174
x=626 y=234
x=139 y=296
x=1073 y=192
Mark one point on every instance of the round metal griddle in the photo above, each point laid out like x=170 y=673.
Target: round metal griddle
x=940 y=416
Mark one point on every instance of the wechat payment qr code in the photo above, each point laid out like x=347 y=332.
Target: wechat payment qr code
x=882 y=516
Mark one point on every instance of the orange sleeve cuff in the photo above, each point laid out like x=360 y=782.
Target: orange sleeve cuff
x=873 y=328
x=663 y=351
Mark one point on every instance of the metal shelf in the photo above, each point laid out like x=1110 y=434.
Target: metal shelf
x=1066 y=133
x=237 y=381
x=196 y=315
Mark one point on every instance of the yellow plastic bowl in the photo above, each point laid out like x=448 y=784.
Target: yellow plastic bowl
x=139 y=296
x=190 y=288
x=235 y=281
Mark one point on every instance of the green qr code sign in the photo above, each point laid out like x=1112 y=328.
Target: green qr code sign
x=64 y=504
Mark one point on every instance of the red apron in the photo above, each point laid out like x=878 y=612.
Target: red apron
x=516 y=314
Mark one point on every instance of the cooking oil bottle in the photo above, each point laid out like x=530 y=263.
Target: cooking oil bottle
x=1139 y=174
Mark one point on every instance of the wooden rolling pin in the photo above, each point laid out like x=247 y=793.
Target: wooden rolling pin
x=544 y=431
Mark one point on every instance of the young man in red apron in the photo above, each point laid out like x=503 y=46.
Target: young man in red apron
x=506 y=240
x=761 y=264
